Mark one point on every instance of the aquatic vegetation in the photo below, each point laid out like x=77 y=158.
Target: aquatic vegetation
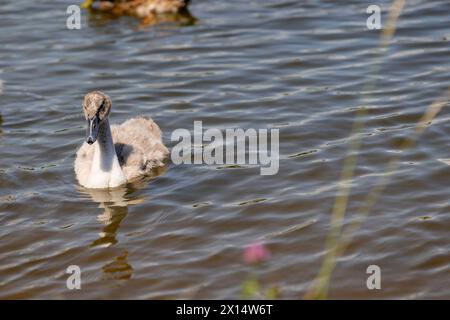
x=255 y=255
x=339 y=238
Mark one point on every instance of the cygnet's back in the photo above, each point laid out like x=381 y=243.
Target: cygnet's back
x=138 y=146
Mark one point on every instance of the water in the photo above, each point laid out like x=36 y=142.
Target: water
x=299 y=66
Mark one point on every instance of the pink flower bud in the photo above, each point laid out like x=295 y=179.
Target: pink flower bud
x=256 y=253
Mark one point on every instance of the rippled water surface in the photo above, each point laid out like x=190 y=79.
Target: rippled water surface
x=299 y=66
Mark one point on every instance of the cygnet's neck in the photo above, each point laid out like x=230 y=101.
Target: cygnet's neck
x=105 y=170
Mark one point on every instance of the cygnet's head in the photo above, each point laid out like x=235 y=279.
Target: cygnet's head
x=96 y=107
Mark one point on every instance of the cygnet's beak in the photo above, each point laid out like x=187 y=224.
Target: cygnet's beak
x=92 y=129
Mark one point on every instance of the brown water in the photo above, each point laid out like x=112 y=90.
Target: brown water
x=299 y=66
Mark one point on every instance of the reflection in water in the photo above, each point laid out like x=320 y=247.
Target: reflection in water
x=119 y=268
x=111 y=218
x=115 y=203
